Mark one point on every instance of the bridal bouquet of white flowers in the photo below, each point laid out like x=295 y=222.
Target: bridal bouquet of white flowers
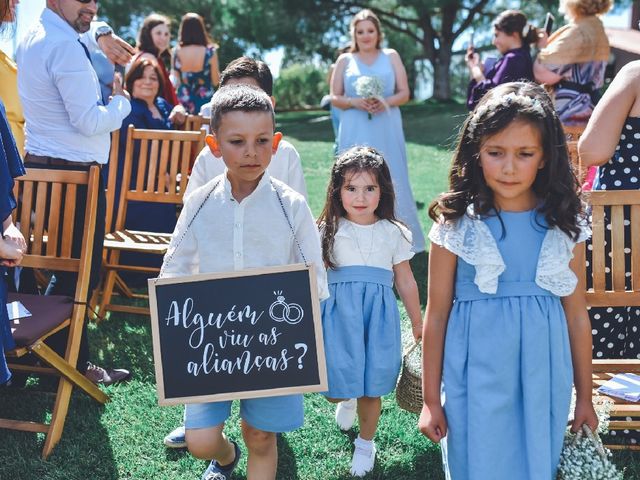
x=583 y=455
x=370 y=87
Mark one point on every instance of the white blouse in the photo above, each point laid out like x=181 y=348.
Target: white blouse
x=470 y=239
x=215 y=233
x=382 y=244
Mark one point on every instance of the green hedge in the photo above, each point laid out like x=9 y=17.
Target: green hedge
x=300 y=86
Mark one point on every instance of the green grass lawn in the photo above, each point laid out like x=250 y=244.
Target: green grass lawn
x=123 y=439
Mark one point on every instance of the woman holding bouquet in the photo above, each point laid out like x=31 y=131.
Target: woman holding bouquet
x=369 y=83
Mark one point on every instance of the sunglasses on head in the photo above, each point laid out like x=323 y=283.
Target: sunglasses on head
x=87 y=1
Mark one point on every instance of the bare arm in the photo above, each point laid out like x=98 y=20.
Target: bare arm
x=543 y=75
x=579 y=326
x=401 y=95
x=174 y=73
x=338 y=97
x=408 y=290
x=215 y=70
x=475 y=66
x=442 y=268
x=622 y=98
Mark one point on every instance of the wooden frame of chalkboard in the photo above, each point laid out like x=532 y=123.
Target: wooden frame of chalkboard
x=233 y=335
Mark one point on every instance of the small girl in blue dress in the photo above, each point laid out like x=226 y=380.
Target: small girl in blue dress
x=506 y=327
x=366 y=250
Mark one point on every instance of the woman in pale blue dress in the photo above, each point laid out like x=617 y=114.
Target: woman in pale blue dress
x=506 y=329
x=370 y=121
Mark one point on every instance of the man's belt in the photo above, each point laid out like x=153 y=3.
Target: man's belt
x=30 y=158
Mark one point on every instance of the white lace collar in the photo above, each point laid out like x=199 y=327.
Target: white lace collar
x=470 y=239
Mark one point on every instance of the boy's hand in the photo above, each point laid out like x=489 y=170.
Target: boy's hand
x=416 y=329
x=584 y=415
x=433 y=423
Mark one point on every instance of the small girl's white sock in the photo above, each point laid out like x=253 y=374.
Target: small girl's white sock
x=362 y=443
x=364 y=457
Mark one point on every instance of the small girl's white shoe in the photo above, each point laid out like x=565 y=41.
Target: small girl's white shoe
x=364 y=457
x=346 y=412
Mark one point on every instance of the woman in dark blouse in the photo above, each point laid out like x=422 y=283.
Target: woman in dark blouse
x=511 y=37
x=148 y=111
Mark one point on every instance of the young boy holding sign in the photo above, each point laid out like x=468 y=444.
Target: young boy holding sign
x=243 y=219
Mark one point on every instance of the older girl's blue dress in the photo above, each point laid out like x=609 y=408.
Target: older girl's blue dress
x=507 y=371
x=384 y=133
x=10 y=167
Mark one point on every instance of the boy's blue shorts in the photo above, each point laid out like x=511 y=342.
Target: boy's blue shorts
x=269 y=414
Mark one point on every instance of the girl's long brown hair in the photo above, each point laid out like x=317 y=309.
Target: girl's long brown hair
x=555 y=186
x=356 y=159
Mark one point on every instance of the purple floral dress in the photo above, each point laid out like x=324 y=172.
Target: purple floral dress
x=195 y=88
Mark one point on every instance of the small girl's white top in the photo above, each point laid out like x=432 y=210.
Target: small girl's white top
x=382 y=244
x=470 y=239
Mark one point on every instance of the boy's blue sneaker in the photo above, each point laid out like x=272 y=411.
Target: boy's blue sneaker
x=176 y=439
x=215 y=472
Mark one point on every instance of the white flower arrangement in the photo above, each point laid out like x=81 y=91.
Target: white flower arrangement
x=371 y=87
x=583 y=455
x=505 y=101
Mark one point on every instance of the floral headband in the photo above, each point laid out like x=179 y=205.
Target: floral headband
x=505 y=101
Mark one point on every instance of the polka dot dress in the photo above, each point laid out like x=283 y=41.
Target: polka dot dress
x=615 y=329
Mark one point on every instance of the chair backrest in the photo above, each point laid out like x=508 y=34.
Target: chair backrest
x=157 y=169
x=573 y=133
x=196 y=122
x=615 y=292
x=110 y=192
x=46 y=216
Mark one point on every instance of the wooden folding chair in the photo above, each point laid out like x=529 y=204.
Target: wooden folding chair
x=195 y=122
x=617 y=293
x=110 y=199
x=161 y=177
x=49 y=247
x=572 y=134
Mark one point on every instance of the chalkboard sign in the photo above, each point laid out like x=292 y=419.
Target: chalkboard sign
x=244 y=334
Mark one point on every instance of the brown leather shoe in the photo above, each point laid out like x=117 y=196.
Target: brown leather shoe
x=102 y=376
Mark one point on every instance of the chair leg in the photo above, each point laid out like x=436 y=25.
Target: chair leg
x=107 y=292
x=58 y=416
x=93 y=309
x=124 y=288
x=73 y=375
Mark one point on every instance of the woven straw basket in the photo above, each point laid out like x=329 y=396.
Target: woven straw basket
x=409 y=388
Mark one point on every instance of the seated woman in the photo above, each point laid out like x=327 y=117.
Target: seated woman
x=511 y=37
x=149 y=111
x=572 y=61
x=572 y=64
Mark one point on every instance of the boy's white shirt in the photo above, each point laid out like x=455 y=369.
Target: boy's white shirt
x=226 y=235
x=285 y=166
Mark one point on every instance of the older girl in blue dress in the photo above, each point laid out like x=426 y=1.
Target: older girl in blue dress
x=506 y=328
x=366 y=250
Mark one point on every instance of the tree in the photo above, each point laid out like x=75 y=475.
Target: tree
x=315 y=26
x=420 y=29
x=433 y=25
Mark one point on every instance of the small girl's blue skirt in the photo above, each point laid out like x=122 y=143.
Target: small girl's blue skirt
x=361 y=325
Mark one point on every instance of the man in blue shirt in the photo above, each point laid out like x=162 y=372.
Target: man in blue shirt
x=68 y=127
